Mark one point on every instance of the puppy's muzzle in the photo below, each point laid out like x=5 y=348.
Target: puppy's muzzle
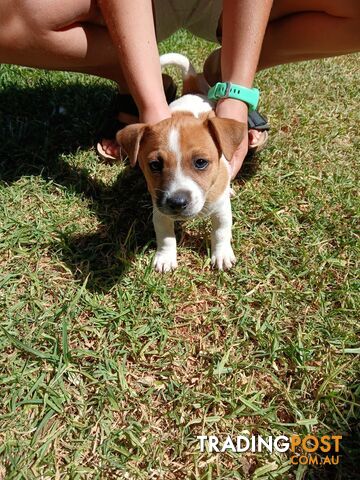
x=175 y=203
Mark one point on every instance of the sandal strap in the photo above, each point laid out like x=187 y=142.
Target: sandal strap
x=257 y=121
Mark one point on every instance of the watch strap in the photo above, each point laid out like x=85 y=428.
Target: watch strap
x=230 y=90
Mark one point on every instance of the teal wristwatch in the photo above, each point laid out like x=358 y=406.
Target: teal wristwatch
x=231 y=90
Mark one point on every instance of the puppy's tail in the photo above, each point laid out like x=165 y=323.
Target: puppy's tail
x=179 y=60
x=192 y=82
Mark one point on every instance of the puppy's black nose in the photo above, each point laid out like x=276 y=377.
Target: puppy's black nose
x=178 y=201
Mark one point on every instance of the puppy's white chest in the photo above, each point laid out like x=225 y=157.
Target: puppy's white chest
x=196 y=104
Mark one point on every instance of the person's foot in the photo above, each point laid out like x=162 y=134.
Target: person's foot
x=257 y=140
x=108 y=149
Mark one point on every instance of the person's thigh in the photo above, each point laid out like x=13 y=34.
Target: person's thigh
x=47 y=32
x=339 y=8
x=36 y=17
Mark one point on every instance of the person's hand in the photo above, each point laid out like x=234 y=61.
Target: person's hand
x=237 y=110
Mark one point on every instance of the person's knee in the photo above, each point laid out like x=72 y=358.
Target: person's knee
x=24 y=30
x=14 y=32
x=349 y=9
x=22 y=22
x=34 y=15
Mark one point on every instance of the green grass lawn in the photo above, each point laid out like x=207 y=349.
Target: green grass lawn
x=108 y=370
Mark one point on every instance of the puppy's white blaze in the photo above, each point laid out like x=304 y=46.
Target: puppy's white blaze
x=174 y=144
x=186 y=183
x=181 y=181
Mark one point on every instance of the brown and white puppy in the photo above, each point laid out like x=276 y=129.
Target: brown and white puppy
x=185 y=160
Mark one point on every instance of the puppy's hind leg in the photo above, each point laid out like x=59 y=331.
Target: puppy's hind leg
x=165 y=257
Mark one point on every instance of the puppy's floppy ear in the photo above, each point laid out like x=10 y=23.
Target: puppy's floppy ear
x=227 y=133
x=129 y=139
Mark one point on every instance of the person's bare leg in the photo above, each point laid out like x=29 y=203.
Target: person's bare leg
x=58 y=35
x=301 y=30
x=308 y=29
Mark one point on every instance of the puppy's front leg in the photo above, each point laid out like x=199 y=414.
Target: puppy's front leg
x=165 y=258
x=222 y=255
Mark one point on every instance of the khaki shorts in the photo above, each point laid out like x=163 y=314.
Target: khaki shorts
x=200 y=17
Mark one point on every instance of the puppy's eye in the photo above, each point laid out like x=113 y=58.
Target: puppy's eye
x=156 y=165
x=200 y=163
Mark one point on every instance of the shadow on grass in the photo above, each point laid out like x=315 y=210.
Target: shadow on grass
x=124 y=211
x=38 y=126
x=349 y=458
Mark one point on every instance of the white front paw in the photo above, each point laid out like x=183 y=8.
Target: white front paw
x=165 y=261
x=223 y=257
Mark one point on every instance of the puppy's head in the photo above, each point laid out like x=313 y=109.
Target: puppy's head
x=181 y=158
